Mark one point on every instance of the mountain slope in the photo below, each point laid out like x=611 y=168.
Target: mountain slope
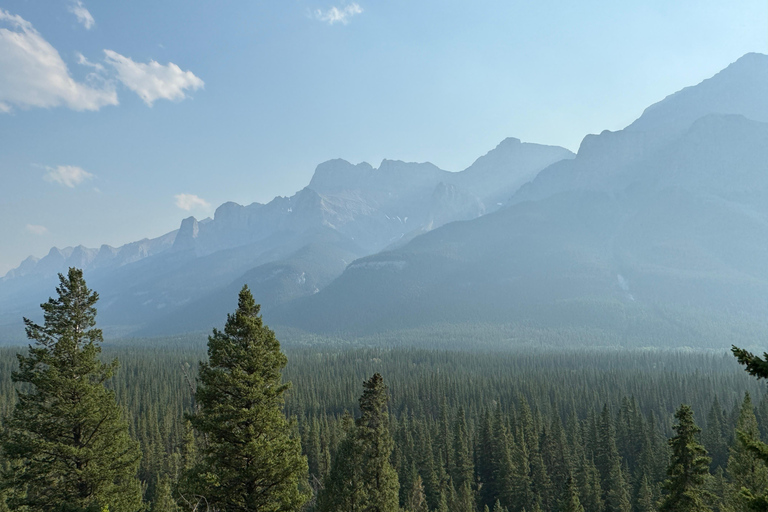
x=347 y=211
x=648 y=230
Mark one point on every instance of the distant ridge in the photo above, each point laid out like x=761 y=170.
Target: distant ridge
x=288 y=248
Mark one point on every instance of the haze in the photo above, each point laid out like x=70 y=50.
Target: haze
x=249 y=97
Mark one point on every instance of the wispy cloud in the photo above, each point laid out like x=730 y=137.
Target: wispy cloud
x=36 y=229
x=67 y=175
x=190 y=201
x=83 y=15
x=153 y=81
x=85 y=62
x=32 y=73
x=339 y=14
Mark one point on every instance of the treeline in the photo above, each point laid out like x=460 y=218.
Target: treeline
x=451 y=431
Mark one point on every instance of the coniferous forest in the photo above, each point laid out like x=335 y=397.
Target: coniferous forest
x=243 y=424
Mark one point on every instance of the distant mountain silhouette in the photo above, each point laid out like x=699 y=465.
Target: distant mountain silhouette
x=287 y=248
x=662 y=221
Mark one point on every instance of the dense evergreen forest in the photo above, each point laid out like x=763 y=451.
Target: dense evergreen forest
x=382 y=429
x=596 y=421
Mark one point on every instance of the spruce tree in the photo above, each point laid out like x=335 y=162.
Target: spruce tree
x=712 y=437
x=250 y=459
x=343 y=486
x=746 y=471
x=645 y=501
x=375 y=443
x=688 y=469
x=571 y=502
x=164 y=500
x=362 y=478
x=66 y=440
x=417 y=500
x=757 y=367
x=608 y=461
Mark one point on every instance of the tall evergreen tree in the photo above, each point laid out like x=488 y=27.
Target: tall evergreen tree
x=712 y=437
x=757 y=367
x=362 y=478
x=571 y=502
x=375 y=442
x=66 y=440
x=645 y=501
x=688 y=468
x=746 y=471
x=251 y=460
x=163 y=500
x=343 y=486
x=608 y=461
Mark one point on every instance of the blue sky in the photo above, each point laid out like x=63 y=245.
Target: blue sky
x=118 y=119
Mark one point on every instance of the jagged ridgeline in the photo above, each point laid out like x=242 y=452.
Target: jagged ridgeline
x=649 y=236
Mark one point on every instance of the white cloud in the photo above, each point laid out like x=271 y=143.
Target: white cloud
x=32 y=73
x=338 y=14
x=83 y=15
x=85 y=62
x=36 y=229
x=153 y=81
x=189 y=201
x=67 y=175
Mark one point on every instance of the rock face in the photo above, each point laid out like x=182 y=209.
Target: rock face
x=648 y=228
x=288 y=248
x=605 y=162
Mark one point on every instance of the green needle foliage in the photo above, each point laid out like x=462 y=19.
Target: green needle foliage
x=251 y=461
x=362 y=478
x=748 y=440
x=66 y=440
x=688 y=468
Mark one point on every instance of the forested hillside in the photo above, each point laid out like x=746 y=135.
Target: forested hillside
x=598 y=418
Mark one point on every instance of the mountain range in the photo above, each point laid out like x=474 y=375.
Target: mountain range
x=653 y=235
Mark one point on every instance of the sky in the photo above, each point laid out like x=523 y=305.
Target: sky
x=119 y=119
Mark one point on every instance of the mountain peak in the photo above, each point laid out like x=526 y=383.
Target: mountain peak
x=737 y=89
x=338 y=174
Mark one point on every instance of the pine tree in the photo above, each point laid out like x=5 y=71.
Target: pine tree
x=67 y=441
x=163 y=500
x=463 y=467
x=645 y=501
x=417 y=500
x=362 y=477
x=343 y=486
x=498 y=508
x=425 y=465
x=522 y=490
x=688 y=468
x=608 y=461
x=757 y=367
x=746 y=471
x=372 y=429
x=250 y=460
x=712 y=437
x=571 y=502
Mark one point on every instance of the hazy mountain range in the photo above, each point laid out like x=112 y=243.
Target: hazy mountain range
x=655 y=232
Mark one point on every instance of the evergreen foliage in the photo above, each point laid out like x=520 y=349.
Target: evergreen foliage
x=66 y=442
x=688 y=468
x=362 y=477
x=536 y=398
x=250 y=459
